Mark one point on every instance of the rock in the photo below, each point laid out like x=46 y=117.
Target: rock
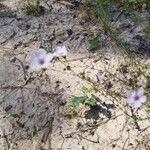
x=138 y=29
x=7 y=14
x=24 y=38
x=114 y=13
x=5 y=126
x=34 y=24
x=23 y=25
x=126 y=36
x=5 y=11
x=138 y=37
x=69 y=31
x=144 y=48
x=3 y=144
x=6 y=33
x=6 y=21
x=124 y=24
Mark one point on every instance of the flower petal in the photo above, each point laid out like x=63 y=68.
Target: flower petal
x=39 y=54
x=140 y=91
x=49 y=57
x=137 y=104
x=60 y=51
x=131 y=94
x=35 y=66
x=130 y=100
x=134 y=104
x=45 y=65
x=41 y=50
x=143 y=99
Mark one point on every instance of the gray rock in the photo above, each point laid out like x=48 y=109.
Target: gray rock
x=124 y=24
x=6 y=33
x=126 y=36
x=6 y=21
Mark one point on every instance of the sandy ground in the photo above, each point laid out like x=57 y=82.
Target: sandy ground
x=33 y=106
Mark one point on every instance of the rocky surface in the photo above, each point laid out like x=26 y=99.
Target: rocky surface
x=47 y=28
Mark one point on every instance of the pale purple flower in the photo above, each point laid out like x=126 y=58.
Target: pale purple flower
x=60 y=51
x=40 y=59
x=136 y=98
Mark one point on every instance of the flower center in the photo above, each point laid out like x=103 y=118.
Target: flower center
x=41 y=61
x=136 y=98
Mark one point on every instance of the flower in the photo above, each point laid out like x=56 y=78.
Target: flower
x=40 y=59
x=60 y=51
x=136 y=98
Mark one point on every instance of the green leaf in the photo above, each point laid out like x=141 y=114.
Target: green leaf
x=76 y=101
x=91 y=102
x=94 y=42
x=87 y=90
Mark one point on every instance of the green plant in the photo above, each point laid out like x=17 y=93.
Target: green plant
x=86 y=99
x=102 y=12
x=94 y=42
x=32 y=7
x=139 y=2
x=76 y=101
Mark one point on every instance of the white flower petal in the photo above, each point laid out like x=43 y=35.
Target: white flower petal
x=131 y=94
x=41 y=50
x=60 y=51
x=143 y=99
x=49 y=57
x=45 y=65
x=39 y=55
x=137 y=104
x=130 y=100
x=55 y=54
x=35 y=67
x=34 y=63
x=140 y=91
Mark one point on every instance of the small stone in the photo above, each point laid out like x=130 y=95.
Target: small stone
x=126 y=36
x=8 y=108
x=70 y=32
x=138 y=29
x=125 y=24
x=12 y=60
x=143 y=48
x=138 y=37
